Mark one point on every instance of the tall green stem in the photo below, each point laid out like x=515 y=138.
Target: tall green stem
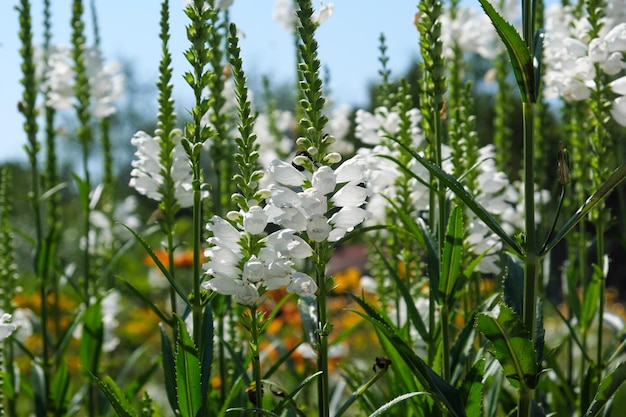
x=532 y=259
x=323 y=330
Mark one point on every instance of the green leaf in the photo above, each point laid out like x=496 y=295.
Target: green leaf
x=518 y=53
x=613 y=181
x=169 y=369
x=187 y=372
x=609 y=385
x=432 y=257
x=60 y=388
x=161 y=267
x=459 y=190
x=513 y=284
x=472 y=389
x=412 y=311
x=116 y=397
x=445 y=395
x=451 y=257
x=591 y=296
x=206 y=357
x=163 y=316
x=395 y=401
x=91 y=338
x=513 y=347
x=280 y=406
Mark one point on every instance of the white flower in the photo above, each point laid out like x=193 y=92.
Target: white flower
x=326 y=10
x=253 y=270
x=255 y=220
x=147 y=173
x=106 y=82
x=302 y=284
x=6 y=327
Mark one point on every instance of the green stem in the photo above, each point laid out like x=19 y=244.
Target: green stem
x=197 y=264
x=256 y=360
x=322 y=331
x=600 y=263
x=532 y=259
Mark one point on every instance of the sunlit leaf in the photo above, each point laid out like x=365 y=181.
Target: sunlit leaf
x=608 y=387
x=459 y=190
x=116 y=397
x=60 y=388
x=187 y=372
x=518 y=53
x=395 y=401
x=451 y=257
x=91 y=338
x=445 y=395
x=169 y=369
x=512 y=345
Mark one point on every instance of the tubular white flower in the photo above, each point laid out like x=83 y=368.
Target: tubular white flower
x=318 y=228
x=147 y=173
x=286 y=174
x=6 y=327
x=224 y=234
x=302 y=284
x=255 y=220
x=253 y=270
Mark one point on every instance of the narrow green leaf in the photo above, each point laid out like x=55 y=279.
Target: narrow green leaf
x=608 y=387
x=285 y=401
x=412 y=311
x=518 y=53
x=462 y=348
x=432 y=256
x=163 y=316
x=445 y=395
x=591 y=296
x=116 y=397
x=408 y=221
x=451 y=257
x=91 y=338
x=161 y=267
x=512 y=345
x=283 y=358
x=187 y=372
x=395 y=401
x=169 y=369
x=206 y=355
x=459 y=190
x=472 y=389
x=604 y=190
x=60 y=388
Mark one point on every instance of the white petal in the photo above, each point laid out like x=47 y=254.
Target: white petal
x=302 y=284
x=285 y=173
x=351 y=194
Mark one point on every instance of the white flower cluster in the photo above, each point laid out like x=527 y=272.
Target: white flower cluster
x=472 y=31
x=147 y=173
x=495 y=192
x=106 y=82
x=307 y=210
x=273 y=267
x=300 y=202
x=572 y=57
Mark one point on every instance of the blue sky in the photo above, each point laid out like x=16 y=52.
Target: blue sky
x=129 y=31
